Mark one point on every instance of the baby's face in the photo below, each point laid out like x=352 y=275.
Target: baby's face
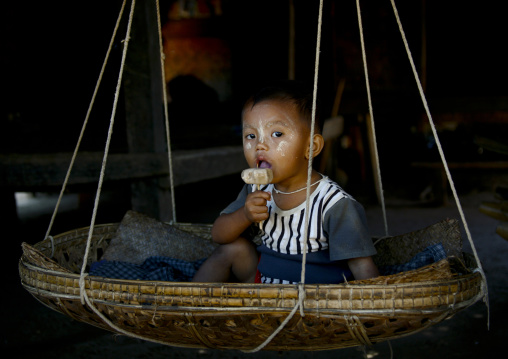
x=275 y=137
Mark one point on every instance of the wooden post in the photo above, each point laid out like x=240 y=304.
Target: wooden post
x=145 y=109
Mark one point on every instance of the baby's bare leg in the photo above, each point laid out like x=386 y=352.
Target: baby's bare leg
x=233 y=262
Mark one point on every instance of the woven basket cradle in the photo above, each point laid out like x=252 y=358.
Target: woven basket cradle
x=242 y=316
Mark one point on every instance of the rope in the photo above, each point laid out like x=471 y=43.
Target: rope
x=301 y=289
x=105 y=157
x=83 y=275
x=85 y=122
x=371 y=112
x=52 y=245
x=311 y=144
x=166 y=117
x=443 y=159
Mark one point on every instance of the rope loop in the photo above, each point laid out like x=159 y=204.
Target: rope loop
x=52 y=240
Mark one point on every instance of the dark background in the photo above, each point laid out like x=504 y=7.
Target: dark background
x=50 y=60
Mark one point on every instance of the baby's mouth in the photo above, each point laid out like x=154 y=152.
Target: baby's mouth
x=264 y=164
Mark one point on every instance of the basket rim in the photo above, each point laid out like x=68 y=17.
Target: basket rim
x=322 y=312
x=136 y=282
x=469 y=288
x=285 y=296
x=61 y=238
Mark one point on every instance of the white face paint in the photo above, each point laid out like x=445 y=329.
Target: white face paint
x=261 y=128
x=261 y=132
x=274 y=137
x=281 y=148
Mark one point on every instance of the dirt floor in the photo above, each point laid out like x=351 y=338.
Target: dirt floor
x=31 y=330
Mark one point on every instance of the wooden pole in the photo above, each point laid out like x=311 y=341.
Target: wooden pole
x=145 y=111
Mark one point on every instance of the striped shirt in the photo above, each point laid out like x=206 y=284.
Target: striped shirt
x=284 y=229
x=337 y=231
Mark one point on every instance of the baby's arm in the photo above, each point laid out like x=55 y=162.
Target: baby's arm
x=363 y=268
x=228 y=227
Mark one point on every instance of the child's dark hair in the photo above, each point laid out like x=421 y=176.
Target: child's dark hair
x=298 y=93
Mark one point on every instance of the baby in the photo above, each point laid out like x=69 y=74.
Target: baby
x=276 y=135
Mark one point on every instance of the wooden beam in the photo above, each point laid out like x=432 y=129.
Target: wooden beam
x=38 y=172
x=143 y=85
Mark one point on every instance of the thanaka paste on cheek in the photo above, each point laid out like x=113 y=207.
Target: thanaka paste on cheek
x=281 y=148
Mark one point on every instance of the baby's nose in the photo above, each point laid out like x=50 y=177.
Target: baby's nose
x=261 y=145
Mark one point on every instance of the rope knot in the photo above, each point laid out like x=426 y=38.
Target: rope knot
x=82 y=290
x=301 y=298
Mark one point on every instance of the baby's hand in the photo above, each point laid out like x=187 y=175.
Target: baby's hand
x=255 y=206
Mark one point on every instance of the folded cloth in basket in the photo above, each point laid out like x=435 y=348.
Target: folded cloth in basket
x=139 y=237
x=177 y=270
x=153 y=268
x=431 y=254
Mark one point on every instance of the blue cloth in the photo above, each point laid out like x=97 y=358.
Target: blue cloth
x=175 y=270
x=153 y=268
x=288 y=267
x=431 y=254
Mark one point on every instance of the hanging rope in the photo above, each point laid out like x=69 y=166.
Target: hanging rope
x=92 y=101
x=301 y=288
x=105 y=157
x=83 y=275
x=166 y=117
x=443 y=159
x=371 y=122
x=311 y=152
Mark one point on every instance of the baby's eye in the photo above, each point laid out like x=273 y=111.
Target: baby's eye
x=250 y=136
x=277 y=134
